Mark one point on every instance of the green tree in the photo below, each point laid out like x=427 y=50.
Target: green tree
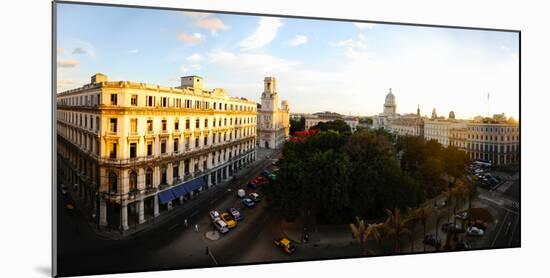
x=336 y=125
x=396 y=225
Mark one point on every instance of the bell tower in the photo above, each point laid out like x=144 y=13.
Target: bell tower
x=270 y=98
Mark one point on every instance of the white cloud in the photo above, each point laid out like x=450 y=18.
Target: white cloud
x=361 y=43
x=84 y=48
x=70 y=63
x=363 y=25
x=79 y=50
x=207 y=21
x=189 y=69
x=192 y=39
x=133 y=51
x=263 y=35
x=298 y=40
x=196 y=57
x=251 y=62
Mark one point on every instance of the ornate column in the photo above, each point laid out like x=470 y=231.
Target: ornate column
x=102 y=212
x=156 y=206
x=124 y=216
x=141 y=209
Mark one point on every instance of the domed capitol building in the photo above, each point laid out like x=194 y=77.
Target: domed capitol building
x=494 y=139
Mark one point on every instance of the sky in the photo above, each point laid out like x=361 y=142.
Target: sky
x=320 y=65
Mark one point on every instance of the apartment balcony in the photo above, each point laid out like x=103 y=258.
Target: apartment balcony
x=164 y=133
x=111 y=134
x=149 y=134
x=133 y=135
x=176 y=133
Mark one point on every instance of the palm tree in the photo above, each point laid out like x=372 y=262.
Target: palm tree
x=437 y=222
x=410 y=221
x=396 y=226
x=423 y=214
x=378 y=232
x=360 y=232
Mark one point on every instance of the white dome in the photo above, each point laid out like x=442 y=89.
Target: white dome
x=390 y=99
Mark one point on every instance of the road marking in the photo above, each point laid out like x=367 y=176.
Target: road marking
x=513 y=231
x=173 y=227
x=193 y=214
x=500 y=229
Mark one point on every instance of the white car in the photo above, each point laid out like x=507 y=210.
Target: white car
x=462 y=215
x=214 y=215
x=221 y=226
x=474 y=231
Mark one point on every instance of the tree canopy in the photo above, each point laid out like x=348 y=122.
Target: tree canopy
x=337 y=176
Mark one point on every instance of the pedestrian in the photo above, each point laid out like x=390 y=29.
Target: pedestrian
x=196 y=227
x=185 y=222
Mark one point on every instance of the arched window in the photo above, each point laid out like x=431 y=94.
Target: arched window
x=133 y=180
x=113 y=182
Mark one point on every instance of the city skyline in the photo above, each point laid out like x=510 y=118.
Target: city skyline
x=321 y=65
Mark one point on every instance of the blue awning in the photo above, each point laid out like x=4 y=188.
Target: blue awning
x=179 y=191
x=166 y=196
x=194 y=184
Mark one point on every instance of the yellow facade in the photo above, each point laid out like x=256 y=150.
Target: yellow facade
x=125 y=142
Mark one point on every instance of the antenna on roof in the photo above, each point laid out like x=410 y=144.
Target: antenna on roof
x=488 y=102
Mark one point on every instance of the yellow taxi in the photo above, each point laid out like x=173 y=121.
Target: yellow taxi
x=229 y=220
x=285 y=244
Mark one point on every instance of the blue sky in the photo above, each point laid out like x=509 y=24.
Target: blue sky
x=320 y=65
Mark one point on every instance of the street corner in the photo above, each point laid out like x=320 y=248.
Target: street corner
x=212 y=235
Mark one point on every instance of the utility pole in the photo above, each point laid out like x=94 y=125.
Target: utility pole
x=488 y=114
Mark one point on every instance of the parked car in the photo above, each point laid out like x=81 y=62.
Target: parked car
x=285 y=244
x=463 y=215
x=241 y=193
x=221 y=226
x=480 y=224
x=451 y=227
x=251 y=185
x=255 y=197
x=229 y=220
x=463 y=245
x=214 y=215
x=474 y=231
x=64 y=189
x=432 y=241
x=247 y=202
x=236 y=214
x=258 y=180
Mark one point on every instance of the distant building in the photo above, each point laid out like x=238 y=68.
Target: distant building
x=389 y=112
x=312 y=120
x=273 y=121
x=495 y=139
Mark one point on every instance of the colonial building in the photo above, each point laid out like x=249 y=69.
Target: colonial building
x=407 y=125
x=497 y=141
x=273 y=121
x=131 y=151
x=312 y=120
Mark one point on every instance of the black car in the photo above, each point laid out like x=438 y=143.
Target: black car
x=451 y=227
x=432 y=241
x=463 y=245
